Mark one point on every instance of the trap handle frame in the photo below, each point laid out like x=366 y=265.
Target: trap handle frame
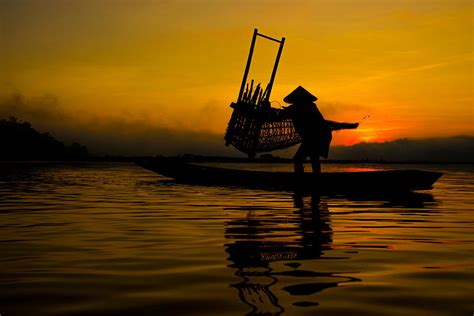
x=249 y=61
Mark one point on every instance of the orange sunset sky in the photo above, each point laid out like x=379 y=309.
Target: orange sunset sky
x=178 y=64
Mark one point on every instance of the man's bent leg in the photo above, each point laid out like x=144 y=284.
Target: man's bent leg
x=299 y=158
x=315 y=163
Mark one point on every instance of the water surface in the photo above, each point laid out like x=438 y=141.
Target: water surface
x=111 y=238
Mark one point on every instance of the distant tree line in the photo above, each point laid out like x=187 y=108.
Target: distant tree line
x=20 y=141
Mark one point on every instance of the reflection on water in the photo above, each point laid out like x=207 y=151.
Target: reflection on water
x=259 y=239
x=115 y=239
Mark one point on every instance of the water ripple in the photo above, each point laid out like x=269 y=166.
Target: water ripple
x=109 y=239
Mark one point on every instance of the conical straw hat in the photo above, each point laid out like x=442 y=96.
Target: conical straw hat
x=299 y=94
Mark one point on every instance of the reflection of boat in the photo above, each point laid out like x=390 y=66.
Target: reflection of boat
x=255 y=242
x=385 y=181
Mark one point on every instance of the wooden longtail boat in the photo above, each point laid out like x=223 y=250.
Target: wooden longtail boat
x=331 y=182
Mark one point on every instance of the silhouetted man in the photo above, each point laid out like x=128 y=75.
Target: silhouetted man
x=314 y=130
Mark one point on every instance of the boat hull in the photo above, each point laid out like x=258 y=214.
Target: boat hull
x=372 y=181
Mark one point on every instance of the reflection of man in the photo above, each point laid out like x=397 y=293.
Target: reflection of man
x=314 y=130
x=256 y=243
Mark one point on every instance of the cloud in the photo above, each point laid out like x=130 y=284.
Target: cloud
x=454 y=60
x=442 y=149
x=112 y=135
x=331 y=108
x=132 y=138
x=44 y=109
x=126 y=135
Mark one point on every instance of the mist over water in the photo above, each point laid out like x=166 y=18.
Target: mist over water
x=140 y=136
x=114 y=239
x=110 y=134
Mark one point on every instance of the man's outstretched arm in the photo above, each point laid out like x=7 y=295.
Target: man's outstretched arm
x=335 y=126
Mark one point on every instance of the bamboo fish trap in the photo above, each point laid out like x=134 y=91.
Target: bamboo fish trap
x=254 y=125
